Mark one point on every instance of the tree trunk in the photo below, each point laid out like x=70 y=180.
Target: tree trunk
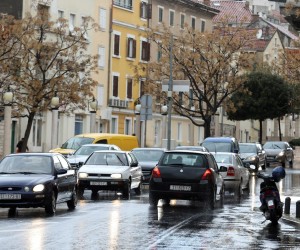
x=27 y=131
x=279 y=128
x=206 y=126
x=260 y=131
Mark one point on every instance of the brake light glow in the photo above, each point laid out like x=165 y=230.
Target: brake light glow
x=230 y=171
x=206 y=175
x=156 y=173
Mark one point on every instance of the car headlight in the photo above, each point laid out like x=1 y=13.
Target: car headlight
x=281 y=153
x=251 y=158
x=83 y=175
x=38 y=188
x=116 y=176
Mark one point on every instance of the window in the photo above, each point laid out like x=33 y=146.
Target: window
x=116 y=44
x=60 y=14
x=179 y=132
x=78 y=124
x=84 y=28
x=193 y=23
x=102 y=19
x=145 y=10
x=101 y=59
x=115 y=85
x=72 y=23
x=131 y=47
x=114 y=125
x=129 y=88
x=182 y=20
x=202 y=26
x=171 y=17
x=127 y=4
x=160 y=14
x=159 y=52
x=142 y=84
x=127 y=130
x=43 y=12
x=145 y=53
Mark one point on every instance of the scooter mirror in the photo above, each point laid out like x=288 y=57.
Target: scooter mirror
x=252 y=167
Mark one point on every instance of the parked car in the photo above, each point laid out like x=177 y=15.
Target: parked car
x=221 y=144
x=37 y=180
x=187 y=175
x=234 y=172
x=193 y=148
x=148 y=158
x=279 y=152
x=253 y=154
x=125 y=142
x=82 y=153
x=110 y=170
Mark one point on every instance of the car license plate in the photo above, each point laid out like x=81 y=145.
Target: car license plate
x=98 y=183
x=180 y=188
x=10 y=196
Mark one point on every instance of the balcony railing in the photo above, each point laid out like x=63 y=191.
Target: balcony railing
x=126 y=4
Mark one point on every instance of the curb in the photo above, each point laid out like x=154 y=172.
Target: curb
x=290 y=220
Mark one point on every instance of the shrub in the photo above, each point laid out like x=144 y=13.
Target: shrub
x=294 y=142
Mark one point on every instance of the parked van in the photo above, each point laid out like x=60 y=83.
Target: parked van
x=221 y=144
x=125 y=142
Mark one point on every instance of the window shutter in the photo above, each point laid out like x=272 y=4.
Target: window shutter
x=141 y=9
x=147 y=51
x=134 y=49
x=117 y=45
x=129 y=88
x=128 y=47
x=149 y=11
x=115 y=86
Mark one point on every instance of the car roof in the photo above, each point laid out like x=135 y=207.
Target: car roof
x=35 y=154
x=225 y=139
x=98 y=144
x=111 y=151
x=136 y=149
x=187 y=151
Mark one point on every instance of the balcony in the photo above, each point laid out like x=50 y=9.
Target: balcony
x=118 y=103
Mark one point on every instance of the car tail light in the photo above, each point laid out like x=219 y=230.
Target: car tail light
x=230 y=171
x=206 y=175
x=156 y=173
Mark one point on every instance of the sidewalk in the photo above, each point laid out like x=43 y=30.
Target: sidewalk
x=291 y=218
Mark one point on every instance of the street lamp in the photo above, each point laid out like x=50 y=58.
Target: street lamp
x=137 y=112
x=93 y=107
x=7 y=99
x=164 y=112
x=54 y=108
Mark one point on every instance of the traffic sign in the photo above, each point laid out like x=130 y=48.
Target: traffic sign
x=178 y=85
x=146 y=107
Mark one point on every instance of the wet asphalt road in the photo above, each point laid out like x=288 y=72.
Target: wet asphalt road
x=109 y=222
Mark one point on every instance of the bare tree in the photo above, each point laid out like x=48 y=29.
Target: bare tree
x=53 y=60
x=212 y=62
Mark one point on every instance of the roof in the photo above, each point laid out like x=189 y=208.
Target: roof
x=235 y=11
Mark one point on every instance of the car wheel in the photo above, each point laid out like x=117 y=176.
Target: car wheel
x=264 y=165
x=222 y=194
x=212 y=199
x=50 y=204
x=12 y=212
x=153 y=199
x=80 y=192
x=126 y=190
x=73 y=202
x=283 y=163
x=138 y=190
x=291 y=163
x=239 y=191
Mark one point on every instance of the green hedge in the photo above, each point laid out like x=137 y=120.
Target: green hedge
x=295 y=142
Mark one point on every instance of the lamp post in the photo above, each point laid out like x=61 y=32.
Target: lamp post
x=93 y=106
x=54 y=108
x=7 y=99
x=137 y=112
x=164 y=112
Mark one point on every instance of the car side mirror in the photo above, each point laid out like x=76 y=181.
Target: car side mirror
x=247 y=165
x=236 y=151
x=61 y=171
x=133 y=164
x=80 y=164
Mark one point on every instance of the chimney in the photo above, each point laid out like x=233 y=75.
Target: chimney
x=247 y=5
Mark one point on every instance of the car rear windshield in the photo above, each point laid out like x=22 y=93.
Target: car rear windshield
x=218 y=146
x=148 y=155
x=76 y=142
x=183 y=159
x=223 y=158
x=26 y=164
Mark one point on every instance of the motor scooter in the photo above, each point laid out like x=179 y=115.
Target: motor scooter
x=271 y=205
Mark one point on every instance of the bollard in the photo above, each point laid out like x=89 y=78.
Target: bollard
x=287 y=205
x=298 y=209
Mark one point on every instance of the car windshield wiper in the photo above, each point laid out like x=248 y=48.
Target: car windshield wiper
x=5 y=173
